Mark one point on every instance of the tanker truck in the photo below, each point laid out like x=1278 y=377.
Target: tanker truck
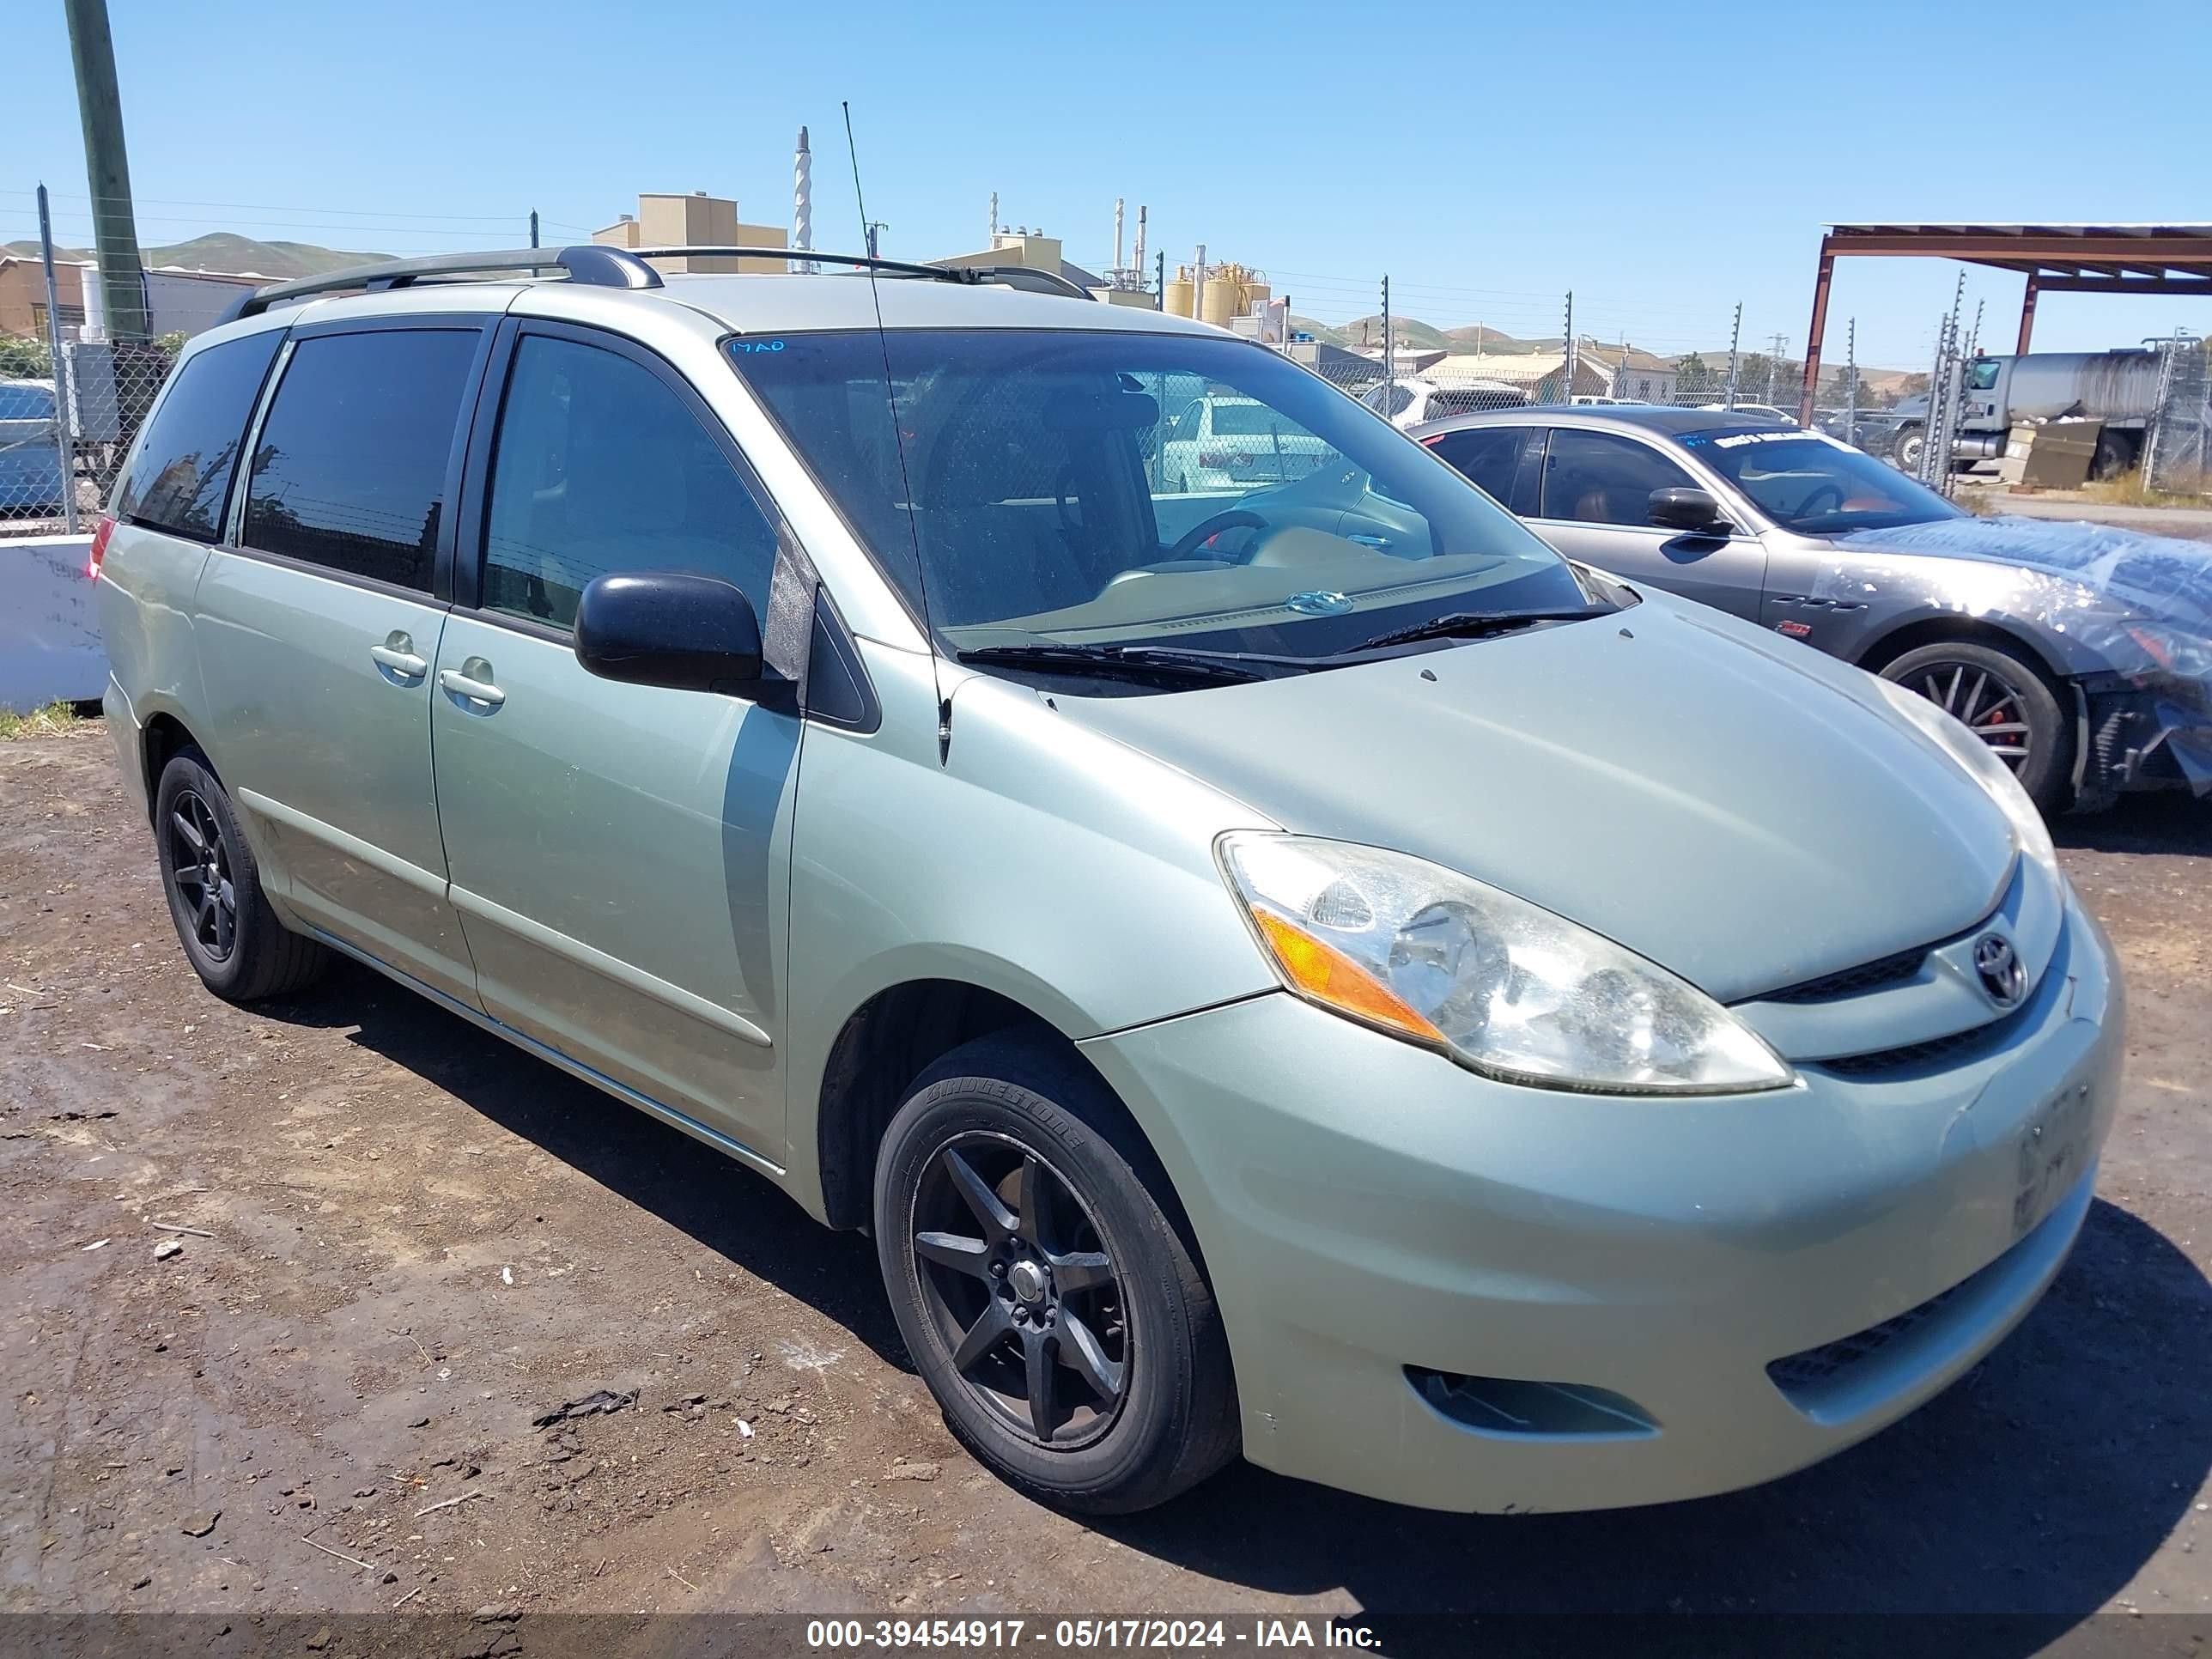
x=2119 y=388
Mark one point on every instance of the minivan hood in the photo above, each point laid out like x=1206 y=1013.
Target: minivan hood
x=1742 y=811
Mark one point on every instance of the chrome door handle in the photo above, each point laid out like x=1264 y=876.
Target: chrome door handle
x=456 y=683
x=400 y=660
x=1369 y=541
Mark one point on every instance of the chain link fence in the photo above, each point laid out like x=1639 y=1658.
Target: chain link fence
x=66 y=424
x=1422 y=387
x=2177 y=440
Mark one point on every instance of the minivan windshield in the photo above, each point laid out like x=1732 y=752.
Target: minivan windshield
x=1813 y=485
x=1058 y=488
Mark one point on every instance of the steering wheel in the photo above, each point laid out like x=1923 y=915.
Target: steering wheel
x=1828 y=487
x=1199 y=534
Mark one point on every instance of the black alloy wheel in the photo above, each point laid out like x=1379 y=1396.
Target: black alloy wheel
x=200 y=865
x=1016 y=1277
x=232 y=935
x=1046 y=1282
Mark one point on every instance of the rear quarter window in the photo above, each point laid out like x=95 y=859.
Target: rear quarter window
x=180 y=477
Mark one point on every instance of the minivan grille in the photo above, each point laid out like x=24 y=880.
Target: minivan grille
x=1892 y=970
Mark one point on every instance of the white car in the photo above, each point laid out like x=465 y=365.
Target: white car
x=1408 y=402
x=1223 y=443
x=1764 y=411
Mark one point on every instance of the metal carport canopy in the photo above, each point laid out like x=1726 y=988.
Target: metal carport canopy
x=2055 y=259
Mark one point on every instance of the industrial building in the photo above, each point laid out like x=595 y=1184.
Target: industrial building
x=698 y=220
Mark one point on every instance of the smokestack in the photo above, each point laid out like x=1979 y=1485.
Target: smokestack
x=994 y=215
x=1138 y=261
x=802 y=201
x=1117 y=233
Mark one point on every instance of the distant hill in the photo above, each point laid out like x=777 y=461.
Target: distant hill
x=1420 y=336
x=225 y=251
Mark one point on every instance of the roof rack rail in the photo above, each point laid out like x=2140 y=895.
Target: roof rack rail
x=602 y=266
x=590 y=263
x=1026 y=276
x=1041 y=282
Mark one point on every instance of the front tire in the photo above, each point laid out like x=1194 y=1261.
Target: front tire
x=2005 y=700
x=1910 y=444
x=231 y=935
x=1047 y=1298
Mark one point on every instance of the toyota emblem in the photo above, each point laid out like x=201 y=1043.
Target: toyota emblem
x=2003 y=976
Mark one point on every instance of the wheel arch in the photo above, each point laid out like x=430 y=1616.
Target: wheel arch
x=163 y=736
x=889 y=1041
x=1935 y=627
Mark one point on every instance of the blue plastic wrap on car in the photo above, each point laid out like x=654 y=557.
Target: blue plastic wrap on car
x=2141 y=605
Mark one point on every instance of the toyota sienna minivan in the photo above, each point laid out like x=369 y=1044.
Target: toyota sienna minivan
x=1291 y=967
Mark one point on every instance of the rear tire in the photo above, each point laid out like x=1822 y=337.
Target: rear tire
x=2116 y=454
x=1995 y=692
x=1058 y=1314
x=230 y=933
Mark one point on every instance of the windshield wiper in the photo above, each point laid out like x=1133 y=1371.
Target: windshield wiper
x=1475 y=624
x=1128 y=661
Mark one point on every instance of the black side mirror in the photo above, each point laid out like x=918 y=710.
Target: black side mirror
x=1695 y=510
x=657 y=628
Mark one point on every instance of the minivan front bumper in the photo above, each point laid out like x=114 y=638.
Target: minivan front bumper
x=1717 y=1291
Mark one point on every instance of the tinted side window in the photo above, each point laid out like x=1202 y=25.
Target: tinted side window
x=181 y=475
x=1595 y=477
x=350 y=472
x=1488 y=455
x=600 y=467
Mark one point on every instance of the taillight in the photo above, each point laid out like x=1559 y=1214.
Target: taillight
x=99 y=546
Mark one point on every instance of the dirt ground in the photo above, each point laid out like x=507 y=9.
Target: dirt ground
x=414 y=1239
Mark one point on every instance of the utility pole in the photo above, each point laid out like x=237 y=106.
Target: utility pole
x=63 y=419
x=1851 y=381
x=1735 y=340
x=533 y=227
x=1567 y=354
x=875 y=225
x=107 y=169
x=1198 y=287
x=1159 y=274
x=1389 y=346
x=1781 y=343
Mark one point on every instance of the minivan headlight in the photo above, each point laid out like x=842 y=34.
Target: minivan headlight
x=2029 y=832
x=1503 y=986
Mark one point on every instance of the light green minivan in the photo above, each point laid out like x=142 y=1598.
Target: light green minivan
x=1279 y=960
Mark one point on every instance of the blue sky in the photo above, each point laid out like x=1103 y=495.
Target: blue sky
x=1662 y=161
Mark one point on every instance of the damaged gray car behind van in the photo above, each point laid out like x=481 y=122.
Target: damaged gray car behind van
x=2080 y=653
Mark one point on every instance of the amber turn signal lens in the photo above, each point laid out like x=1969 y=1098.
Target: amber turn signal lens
x=1328 y=975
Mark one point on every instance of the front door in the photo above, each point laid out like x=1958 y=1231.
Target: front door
x=1594 y=506
x=316 y=633
x=620 y=854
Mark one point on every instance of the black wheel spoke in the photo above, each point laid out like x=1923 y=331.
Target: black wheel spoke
x=1036 y=1217
x=983 y=1335
x=1080 y=1270
x=205 y=914
x=998 y=1222
x=1036 y=1357
x=967 y=1255
x=1080 y=1350
x=189 y=877
x=188 y=829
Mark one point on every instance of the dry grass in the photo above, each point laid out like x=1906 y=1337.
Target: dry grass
x=2129 y=489
x=39 y=722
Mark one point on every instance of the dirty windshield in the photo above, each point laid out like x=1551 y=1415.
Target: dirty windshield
x=1140 y=488
x=1807 y=483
